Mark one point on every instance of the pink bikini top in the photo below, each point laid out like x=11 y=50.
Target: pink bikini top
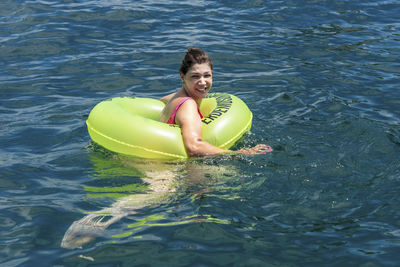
x=171 y=119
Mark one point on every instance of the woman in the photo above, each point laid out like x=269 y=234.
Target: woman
x=182 y=107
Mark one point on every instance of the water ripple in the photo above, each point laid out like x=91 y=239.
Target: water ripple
x=320 y=77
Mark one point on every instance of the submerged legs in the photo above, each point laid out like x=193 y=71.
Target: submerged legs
x=85 y=230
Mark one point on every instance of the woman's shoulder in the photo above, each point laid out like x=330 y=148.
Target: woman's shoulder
x=167 y=98
x=186 y=101
x=186 y=108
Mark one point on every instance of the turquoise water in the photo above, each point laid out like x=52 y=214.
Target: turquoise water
x=321 y=78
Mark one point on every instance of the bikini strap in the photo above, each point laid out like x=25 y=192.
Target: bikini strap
x=171 y=119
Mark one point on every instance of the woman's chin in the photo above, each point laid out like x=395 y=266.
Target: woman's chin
x=201 y=94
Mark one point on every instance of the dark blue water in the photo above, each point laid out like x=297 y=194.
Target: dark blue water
x=321 y=78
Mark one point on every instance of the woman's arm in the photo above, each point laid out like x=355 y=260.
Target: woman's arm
x=189 y=120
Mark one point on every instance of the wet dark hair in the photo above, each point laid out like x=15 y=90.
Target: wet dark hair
x=194 y=56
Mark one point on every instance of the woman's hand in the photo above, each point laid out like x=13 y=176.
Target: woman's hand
x=258 y=149
x=188 y=118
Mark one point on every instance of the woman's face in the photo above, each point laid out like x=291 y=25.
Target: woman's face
x=197 y=81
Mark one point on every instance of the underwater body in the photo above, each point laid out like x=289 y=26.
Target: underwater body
x=320 y=77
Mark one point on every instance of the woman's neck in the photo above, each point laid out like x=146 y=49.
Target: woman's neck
x=184 y=93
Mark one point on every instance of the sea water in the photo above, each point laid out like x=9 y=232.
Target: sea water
x=322 y=81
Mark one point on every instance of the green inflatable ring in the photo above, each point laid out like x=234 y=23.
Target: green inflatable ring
x=130 y=126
